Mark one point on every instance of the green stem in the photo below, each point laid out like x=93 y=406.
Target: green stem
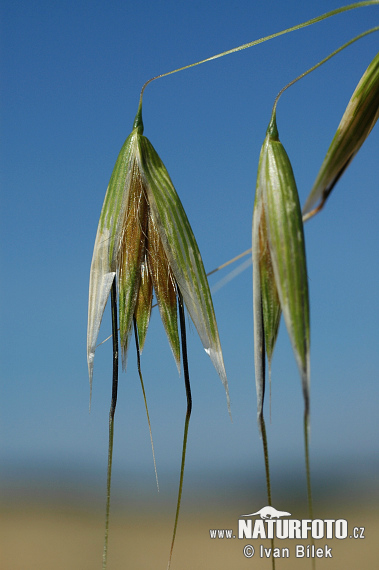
x=144 y=397
x=266 y=38
x=111 y=417
x=267 y=467
x=262 y=427
x=360 y=36
x=308 y=471
x=188 y=415
x=265 y=453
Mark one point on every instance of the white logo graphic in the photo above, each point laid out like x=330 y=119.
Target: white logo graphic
x=269 y=513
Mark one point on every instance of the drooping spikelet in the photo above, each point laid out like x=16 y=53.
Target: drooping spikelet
x=356 y=124
x=144 y=237
x=279 y=264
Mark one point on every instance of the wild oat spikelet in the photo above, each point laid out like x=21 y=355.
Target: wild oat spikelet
x=356 y=124
x=145 y=239
x=279 y=264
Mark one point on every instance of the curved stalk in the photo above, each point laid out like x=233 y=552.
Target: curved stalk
x=188 y=415
x=266 y=38
x=262 y=427
x=347 y=44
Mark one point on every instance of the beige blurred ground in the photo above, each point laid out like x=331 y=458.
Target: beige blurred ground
x=62 y=537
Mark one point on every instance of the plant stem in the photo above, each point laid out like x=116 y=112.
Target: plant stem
x=359 y=37
x=308 y=471
x=265 y=453
x=264 y=439
x=188 y=414
x=266 y=38
x=267 y=467
x=229 y=262
x=111 y=416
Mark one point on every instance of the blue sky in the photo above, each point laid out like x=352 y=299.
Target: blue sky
x=71 y=77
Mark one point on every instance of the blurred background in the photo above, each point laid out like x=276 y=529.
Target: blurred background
x=71 y=76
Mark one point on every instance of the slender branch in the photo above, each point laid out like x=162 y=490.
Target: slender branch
x=111 y=416
x=359 y=37
x=188 y=414
x=144 y=396
x=266 y=38
x=230 y=261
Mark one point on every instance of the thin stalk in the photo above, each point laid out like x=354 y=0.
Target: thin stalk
x=265 y=453
x=267 y=467
x=308 y=471
x=360 y=36
x=144 y=396
x=266 y=38
x=229 y=262
x=264 y=440
x=188 y=414
x=111 y=416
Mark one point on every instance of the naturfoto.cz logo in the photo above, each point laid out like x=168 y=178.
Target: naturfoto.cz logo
x=274 y=524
